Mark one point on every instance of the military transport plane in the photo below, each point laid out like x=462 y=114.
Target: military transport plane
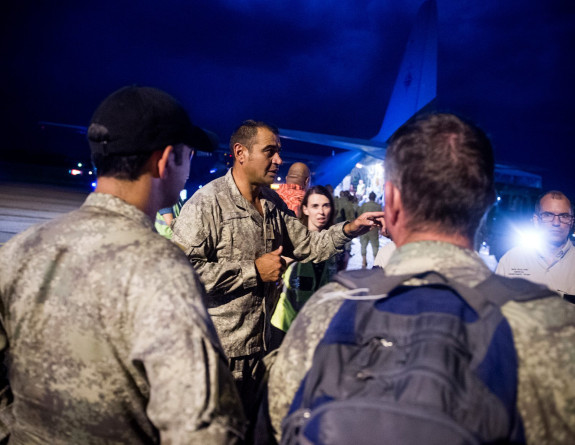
x=414 y=89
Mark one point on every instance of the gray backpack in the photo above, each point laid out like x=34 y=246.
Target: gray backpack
x=432 y=364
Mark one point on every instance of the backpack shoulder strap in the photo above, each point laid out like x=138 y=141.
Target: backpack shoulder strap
x=375 y=280
x=499 y=290
x=378 y=283
x=495 y=289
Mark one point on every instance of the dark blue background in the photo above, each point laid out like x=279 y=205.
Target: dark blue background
x=310 y=65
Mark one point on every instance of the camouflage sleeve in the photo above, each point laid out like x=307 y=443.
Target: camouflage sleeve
x=544 y=336
x=295 y=355
x=192 y=394
x=6 y=398
x=6 y=415
x=196 y=232
x=313 y=246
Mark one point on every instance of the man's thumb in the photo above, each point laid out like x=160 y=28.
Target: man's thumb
x=278 y=251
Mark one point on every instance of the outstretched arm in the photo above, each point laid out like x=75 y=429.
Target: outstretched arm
x=364 y=223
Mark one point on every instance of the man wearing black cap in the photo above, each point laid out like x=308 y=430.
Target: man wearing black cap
x=98 y=349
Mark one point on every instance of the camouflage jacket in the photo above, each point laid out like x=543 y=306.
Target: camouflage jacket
x=544 y=333
x=222 y=234
x=106 y=336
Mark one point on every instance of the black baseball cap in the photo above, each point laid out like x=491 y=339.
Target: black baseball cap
x=138 y=120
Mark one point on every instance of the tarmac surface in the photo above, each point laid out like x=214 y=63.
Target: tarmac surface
x=25 y=204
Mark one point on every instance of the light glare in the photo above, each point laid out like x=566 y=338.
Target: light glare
x=528 y=238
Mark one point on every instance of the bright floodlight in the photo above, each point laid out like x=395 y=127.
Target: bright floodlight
x=528 y=238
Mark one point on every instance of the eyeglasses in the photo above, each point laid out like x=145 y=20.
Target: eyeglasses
x=564 y=218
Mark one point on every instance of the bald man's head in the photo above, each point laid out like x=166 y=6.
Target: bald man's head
x=298 y=174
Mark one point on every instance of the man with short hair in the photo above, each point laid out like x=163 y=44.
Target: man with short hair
x=552 y=262
x=235 y=231
x=439 y=184
x=293 y=191
x=98 y=348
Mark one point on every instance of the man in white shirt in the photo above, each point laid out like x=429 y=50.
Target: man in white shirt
x=553 y=262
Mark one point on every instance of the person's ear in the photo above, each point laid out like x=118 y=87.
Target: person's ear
x=393 y=206
x=163 y=161
x=304 y=210
x=240 y=152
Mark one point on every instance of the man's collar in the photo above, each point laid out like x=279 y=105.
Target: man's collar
x=565 y=248
x=559 y=254
x=114 y=204
x=235 y=193
x=240 y=200
x=455 y=262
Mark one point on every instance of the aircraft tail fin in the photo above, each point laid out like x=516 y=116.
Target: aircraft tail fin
x=416 y=83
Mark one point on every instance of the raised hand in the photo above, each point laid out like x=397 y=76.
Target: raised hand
x=364 y=223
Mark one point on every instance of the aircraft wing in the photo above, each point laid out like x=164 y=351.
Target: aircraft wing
x=373 y=148
x=82 y=129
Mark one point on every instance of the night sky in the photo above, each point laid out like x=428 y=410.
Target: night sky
x=311 y=65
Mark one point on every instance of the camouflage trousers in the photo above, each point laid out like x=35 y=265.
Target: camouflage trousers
x=371 y=237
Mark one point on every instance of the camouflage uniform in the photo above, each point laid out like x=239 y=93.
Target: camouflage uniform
x=347 y=210
x=371 y=237
x=106 y=335
x=222 y=234
x=544 y=332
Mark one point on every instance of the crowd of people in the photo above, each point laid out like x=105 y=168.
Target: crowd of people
x=233 y=326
